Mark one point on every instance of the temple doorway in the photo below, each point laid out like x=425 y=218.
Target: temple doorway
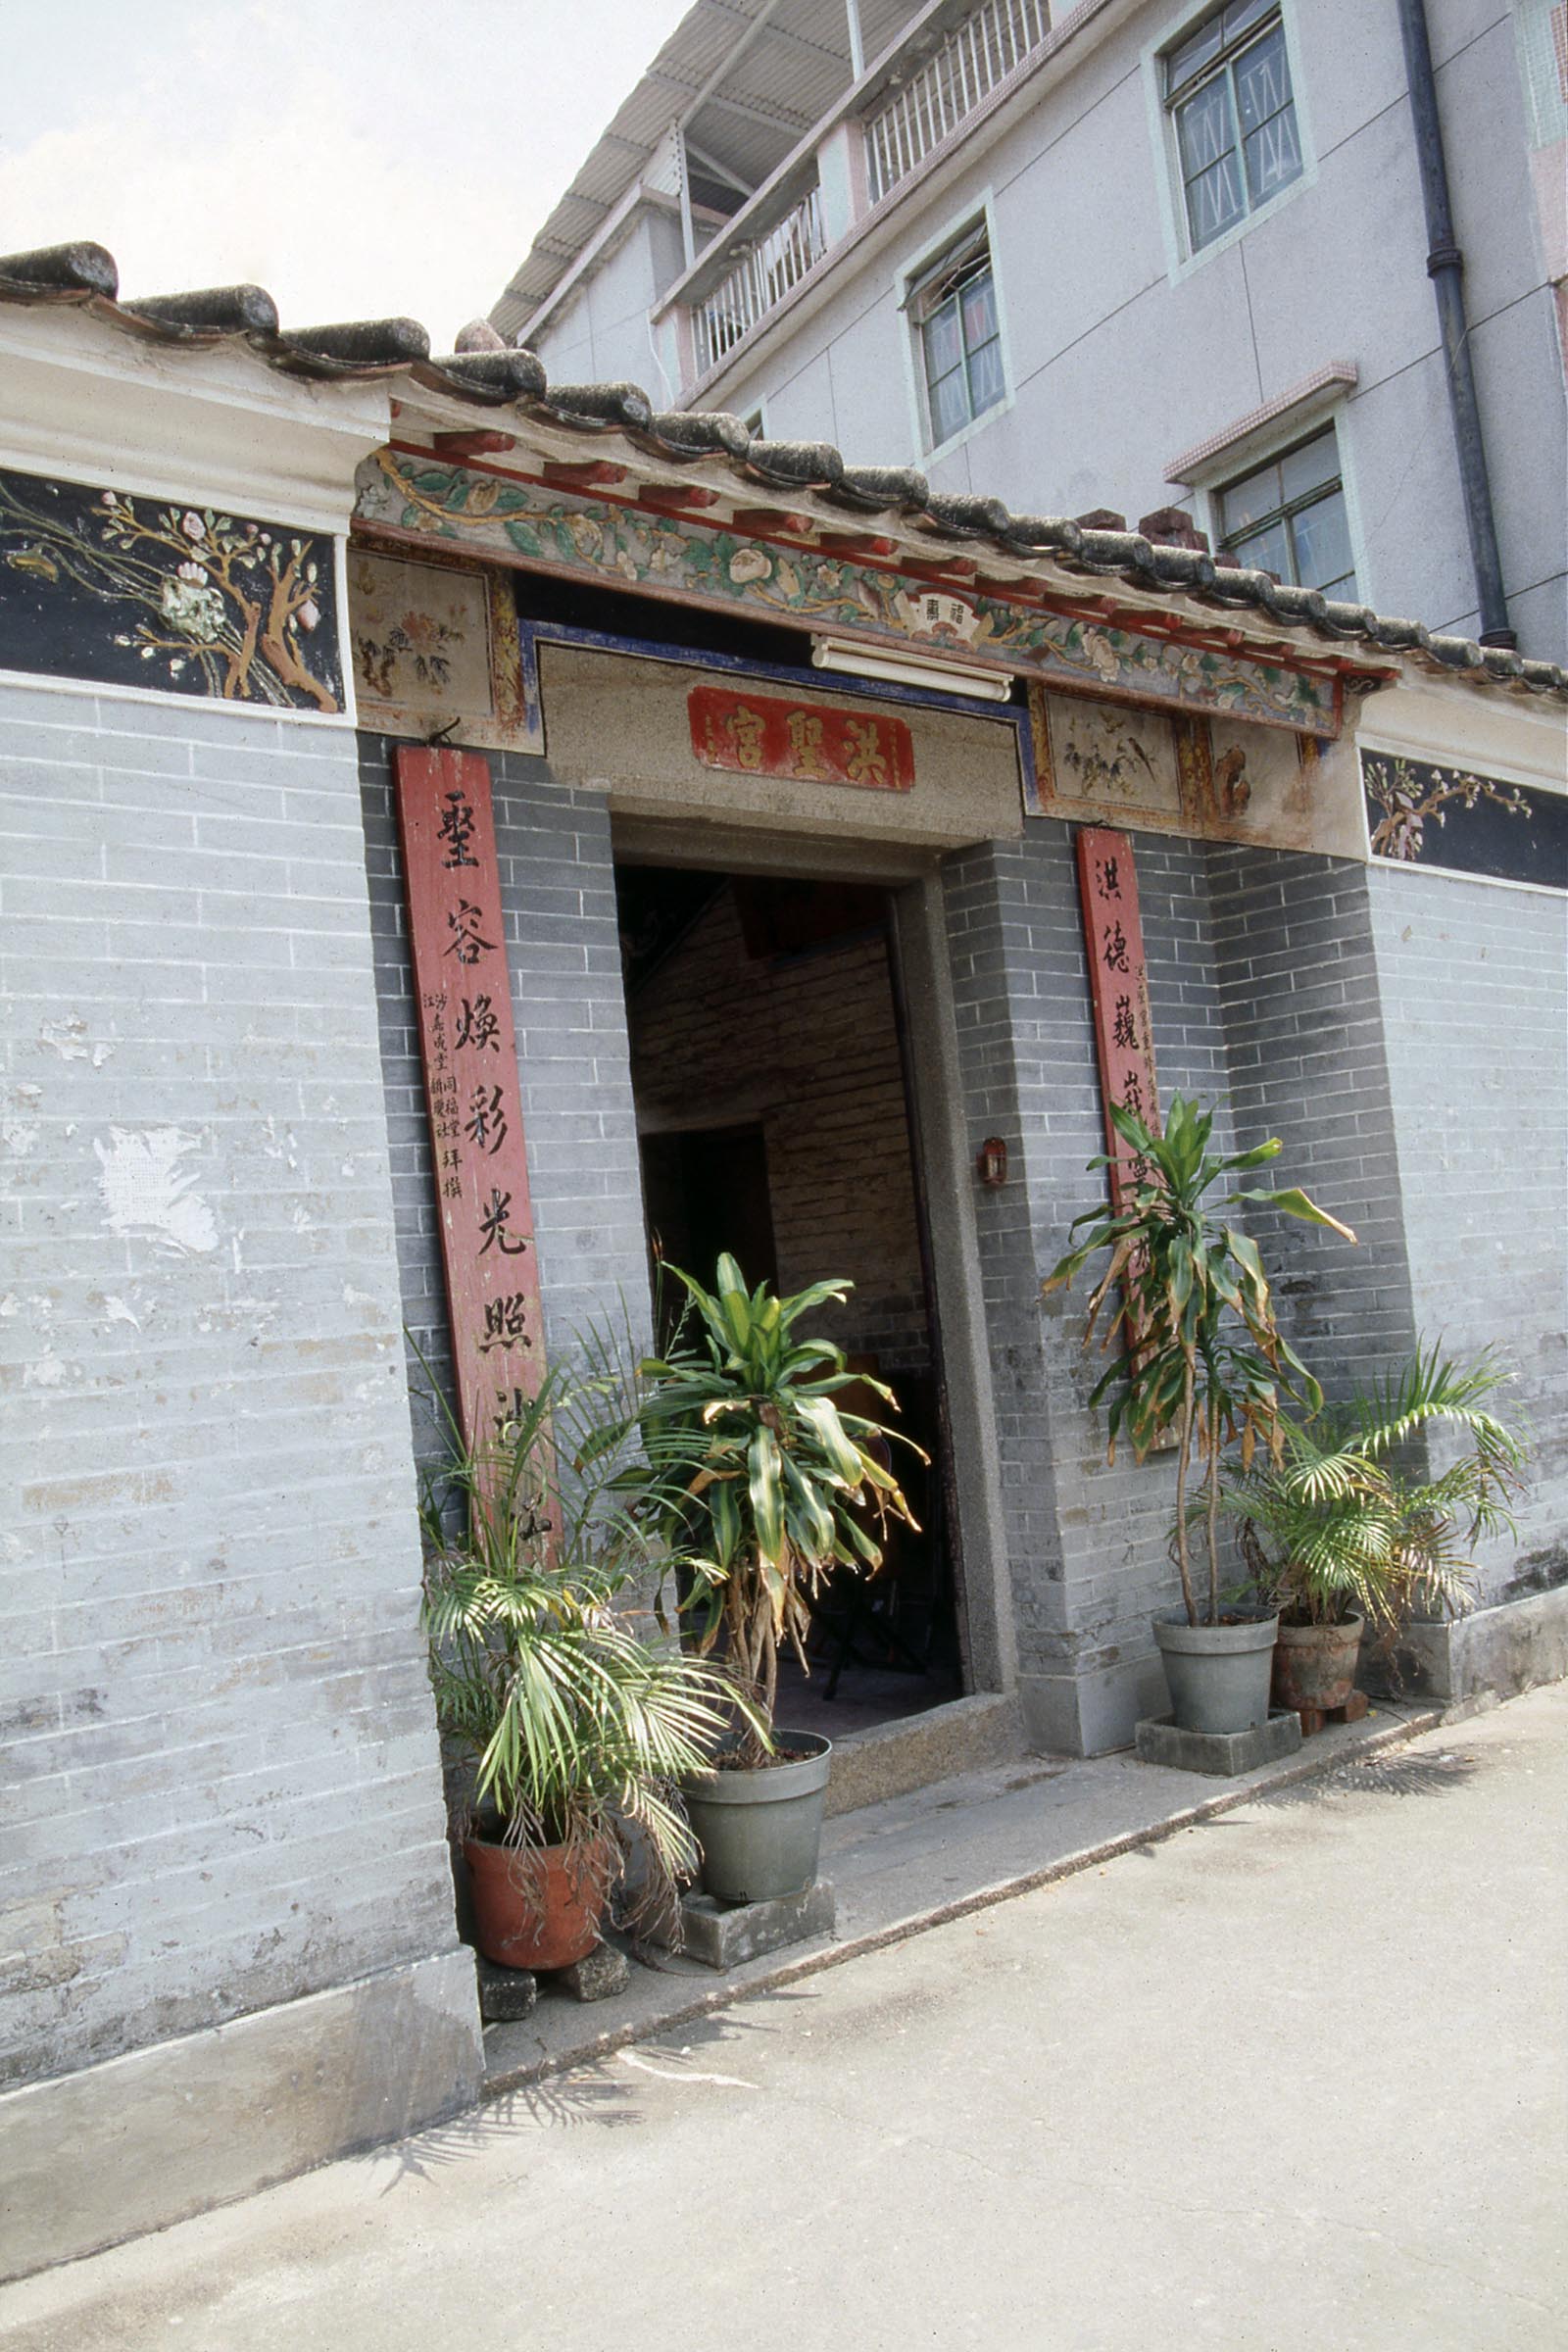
x=774 y=1083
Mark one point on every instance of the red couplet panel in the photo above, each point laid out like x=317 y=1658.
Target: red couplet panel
x=811 y=743
x=471 y=1081
x=1119 y=979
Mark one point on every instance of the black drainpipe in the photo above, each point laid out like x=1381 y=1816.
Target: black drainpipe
x=1446 y=269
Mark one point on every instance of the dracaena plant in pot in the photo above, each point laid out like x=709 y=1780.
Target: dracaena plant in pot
x=1189 y=1312
x=768 y=1484
x=576 y=1719
x=1345 y=1539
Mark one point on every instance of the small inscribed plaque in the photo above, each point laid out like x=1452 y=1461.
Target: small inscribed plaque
x=810 y=743
x=437 y=645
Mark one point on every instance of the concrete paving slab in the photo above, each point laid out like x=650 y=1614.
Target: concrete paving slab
x=914 y=1861
x=1293 y=2076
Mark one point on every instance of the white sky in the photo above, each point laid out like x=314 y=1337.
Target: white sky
x=355 y=157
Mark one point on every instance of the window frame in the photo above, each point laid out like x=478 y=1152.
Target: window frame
x=959 y=239
x=1227 y=468
x=1182 y=255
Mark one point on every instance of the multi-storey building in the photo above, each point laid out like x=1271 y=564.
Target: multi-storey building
x=822 y=858
x=1201 y=265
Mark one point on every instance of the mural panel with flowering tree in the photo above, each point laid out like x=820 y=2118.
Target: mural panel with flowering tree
x=1421 y=815
x=140 y=592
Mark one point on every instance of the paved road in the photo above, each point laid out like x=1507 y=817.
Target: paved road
x=1294 y=2078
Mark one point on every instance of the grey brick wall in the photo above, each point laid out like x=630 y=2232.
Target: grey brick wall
x=1474 y=979
x=1406 y=1037
x=1303 y=1022
x=1087 y=1539
x=564 y=953
x=223 y=1787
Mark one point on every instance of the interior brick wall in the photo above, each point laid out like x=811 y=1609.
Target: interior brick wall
x=808 y=1049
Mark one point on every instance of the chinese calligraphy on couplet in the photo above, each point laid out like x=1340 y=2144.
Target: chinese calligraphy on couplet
x=1113 y=939
x=470 y=1079
x=810 y=743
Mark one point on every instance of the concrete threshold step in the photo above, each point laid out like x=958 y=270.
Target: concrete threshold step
x=918 y=1860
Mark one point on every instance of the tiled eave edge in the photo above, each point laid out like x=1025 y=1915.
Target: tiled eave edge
x=614 y=424
x=699 y=539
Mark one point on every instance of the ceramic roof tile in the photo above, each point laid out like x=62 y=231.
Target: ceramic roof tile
x=84 y=275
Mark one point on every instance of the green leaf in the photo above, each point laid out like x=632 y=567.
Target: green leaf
x=767 y=1510
x=1293 y=1203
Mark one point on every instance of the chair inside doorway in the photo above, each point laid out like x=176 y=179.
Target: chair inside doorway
x=772 y=1086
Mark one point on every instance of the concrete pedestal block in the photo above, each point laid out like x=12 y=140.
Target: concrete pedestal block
x=137 y=2142
x=506 y=1994
x=1161 y=1741
x=604 y=1973
x=723 y=1934
x=1512 y=1647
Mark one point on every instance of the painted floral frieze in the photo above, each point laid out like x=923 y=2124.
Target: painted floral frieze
x=1419 y=813
x=186 y=599
x=424 y=498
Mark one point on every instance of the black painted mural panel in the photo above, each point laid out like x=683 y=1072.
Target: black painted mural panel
x=138 y=592
x=1422 y=814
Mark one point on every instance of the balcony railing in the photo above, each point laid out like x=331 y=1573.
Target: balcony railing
x=758 y=281
x=954 y=79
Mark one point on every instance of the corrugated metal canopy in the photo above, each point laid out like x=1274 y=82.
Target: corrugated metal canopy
x=780 y=65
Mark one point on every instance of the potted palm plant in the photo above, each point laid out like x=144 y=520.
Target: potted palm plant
x=1186 y=1306
x=765 y=1487
x=575 y=1728
x=1342 y=1541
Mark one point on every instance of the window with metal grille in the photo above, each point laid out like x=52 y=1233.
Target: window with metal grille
x=954 y=307
x=1228 y=92
x=1288 y=517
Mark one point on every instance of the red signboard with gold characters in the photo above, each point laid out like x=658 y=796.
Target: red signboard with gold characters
x=470 y=1079
x=810 y=743
x=1119 y=979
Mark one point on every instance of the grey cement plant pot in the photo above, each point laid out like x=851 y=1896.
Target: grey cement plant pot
x=761 y=1830
x=1218 y=1675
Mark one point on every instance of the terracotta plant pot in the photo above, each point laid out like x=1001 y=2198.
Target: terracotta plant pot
x=1314 y=1665
x=536 y=1906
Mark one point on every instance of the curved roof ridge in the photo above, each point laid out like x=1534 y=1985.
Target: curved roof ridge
x=83 y=275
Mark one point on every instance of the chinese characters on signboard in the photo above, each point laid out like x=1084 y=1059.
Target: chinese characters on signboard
x=810 y=743
x=1113 y=939
x=470 y=1076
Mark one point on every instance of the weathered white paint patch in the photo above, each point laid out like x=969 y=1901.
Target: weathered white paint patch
x=44 y=1372
x=10 y=1304
x=68 y=1038
x=20 y=1136
x=117 y=1311
x=146 y=1190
